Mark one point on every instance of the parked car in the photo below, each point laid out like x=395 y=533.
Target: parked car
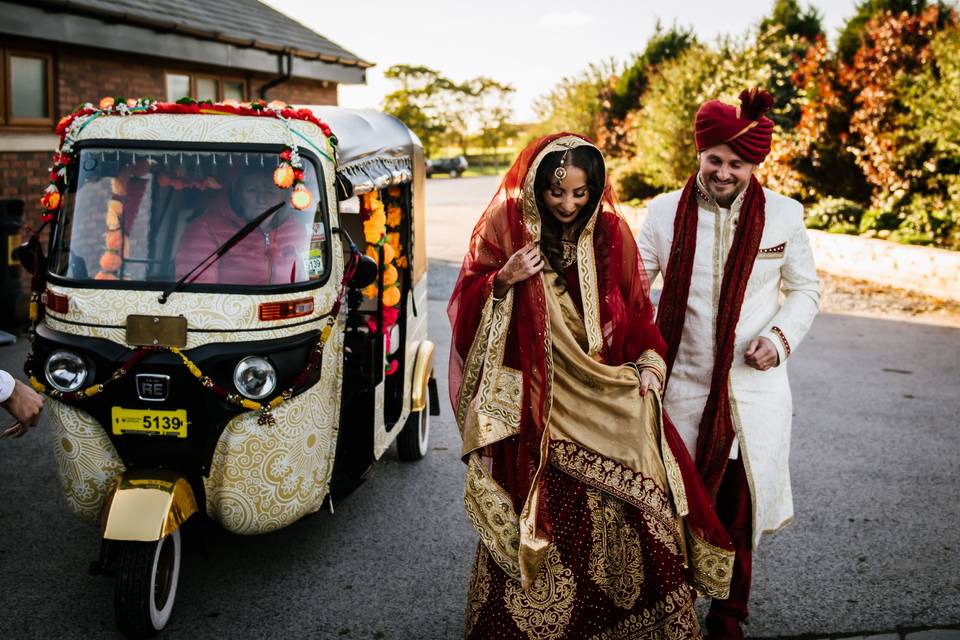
x=454 y=167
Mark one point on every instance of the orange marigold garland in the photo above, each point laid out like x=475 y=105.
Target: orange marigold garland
x=114 y=239
x=381 y=225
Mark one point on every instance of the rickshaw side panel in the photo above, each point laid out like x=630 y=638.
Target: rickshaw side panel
x=264 y=477
x=419 y=219
x=416 y=333
x=87 y=462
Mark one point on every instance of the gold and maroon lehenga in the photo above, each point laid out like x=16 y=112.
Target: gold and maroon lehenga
x=591 y=517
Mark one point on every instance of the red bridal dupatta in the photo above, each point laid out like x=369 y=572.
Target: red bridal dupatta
x=535 y=394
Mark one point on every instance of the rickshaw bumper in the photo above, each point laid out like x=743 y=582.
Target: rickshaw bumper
x=147 y=505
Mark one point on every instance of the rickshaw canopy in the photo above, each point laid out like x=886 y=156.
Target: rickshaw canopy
x=374 y=150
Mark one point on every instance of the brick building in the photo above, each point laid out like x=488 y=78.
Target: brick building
x=57 y=54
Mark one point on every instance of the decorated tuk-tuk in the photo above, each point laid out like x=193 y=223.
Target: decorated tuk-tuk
x=229 y=321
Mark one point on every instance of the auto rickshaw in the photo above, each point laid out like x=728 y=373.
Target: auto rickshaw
x=230 y=320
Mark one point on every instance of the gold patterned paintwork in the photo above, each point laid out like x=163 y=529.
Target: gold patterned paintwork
x=87 y=463
x=265 y=476
x=175 y=127
x=101 y=312
x=211 y=318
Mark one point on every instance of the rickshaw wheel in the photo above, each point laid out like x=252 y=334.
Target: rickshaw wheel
x=147 y=585
x=414 y=440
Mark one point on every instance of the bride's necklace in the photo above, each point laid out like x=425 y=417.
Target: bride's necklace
x=568 y=255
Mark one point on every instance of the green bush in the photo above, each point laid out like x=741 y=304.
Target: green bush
x=879 y=222
x=837 y=215
x=629 y=183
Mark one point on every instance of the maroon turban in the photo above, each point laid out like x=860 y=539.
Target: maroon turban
x=745 y=129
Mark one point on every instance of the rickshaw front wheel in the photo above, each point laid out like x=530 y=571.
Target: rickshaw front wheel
x=147 y=584
x=414 y=440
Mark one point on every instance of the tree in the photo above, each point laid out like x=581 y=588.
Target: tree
x=495 y=110
x=417 y=103
x=574 y=104
x=622 y=94
x=852 y=35
x=895 y=126
x=662 y=138
x=788 y=16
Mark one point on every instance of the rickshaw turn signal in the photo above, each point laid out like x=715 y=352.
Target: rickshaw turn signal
x=56 y=302
x=283 y=310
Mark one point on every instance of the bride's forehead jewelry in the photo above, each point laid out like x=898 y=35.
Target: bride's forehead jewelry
x=561 y=171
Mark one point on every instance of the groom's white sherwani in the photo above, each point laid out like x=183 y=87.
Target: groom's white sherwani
x=760 y=400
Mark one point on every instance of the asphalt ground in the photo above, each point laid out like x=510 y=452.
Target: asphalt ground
x=873 y=549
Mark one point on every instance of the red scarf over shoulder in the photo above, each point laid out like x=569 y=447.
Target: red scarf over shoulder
x=716 y=431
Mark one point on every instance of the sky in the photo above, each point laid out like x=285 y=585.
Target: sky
x=531 y=44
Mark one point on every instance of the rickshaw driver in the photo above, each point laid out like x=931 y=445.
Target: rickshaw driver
x=268 y=255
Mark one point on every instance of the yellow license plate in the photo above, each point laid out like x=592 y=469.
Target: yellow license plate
x=154 y=422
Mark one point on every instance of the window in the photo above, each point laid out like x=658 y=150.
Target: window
x=147 y=216
x=178 y=86
x=27 y=88
x=205 y=87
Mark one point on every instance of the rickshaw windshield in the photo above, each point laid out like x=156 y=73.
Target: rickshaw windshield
x=150 y=216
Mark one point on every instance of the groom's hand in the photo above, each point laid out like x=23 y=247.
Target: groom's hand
x=761 y=354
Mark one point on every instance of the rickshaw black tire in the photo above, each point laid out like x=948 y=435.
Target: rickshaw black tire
x=136 y=614
x=411 y=447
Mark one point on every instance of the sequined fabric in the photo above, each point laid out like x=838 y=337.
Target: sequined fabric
x=608 y=574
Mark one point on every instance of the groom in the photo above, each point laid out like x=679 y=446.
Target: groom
x=727 y=249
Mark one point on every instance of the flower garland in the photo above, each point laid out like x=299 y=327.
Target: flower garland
x=70 y=126
x=265 y=408
x=381 y=229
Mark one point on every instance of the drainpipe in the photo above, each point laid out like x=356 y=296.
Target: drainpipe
x=284 y=74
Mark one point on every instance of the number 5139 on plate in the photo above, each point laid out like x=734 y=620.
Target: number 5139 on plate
x=156 y=422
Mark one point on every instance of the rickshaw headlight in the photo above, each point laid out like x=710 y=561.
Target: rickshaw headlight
x=255 y=377
x=65 y=371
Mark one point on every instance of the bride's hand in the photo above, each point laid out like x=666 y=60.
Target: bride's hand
x=648 y=380
x=520 y=266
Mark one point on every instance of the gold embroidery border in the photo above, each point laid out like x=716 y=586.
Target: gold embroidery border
x=711 y=567
x=672 y=617
x=612 y=477
x=745 y=456
x=473 y=364
x=490 y=510
x=586 y=262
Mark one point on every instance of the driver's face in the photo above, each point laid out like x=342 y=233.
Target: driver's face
x=256 y=193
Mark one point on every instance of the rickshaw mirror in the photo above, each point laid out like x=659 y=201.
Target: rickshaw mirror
x=30 y=255
x=366 y=273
